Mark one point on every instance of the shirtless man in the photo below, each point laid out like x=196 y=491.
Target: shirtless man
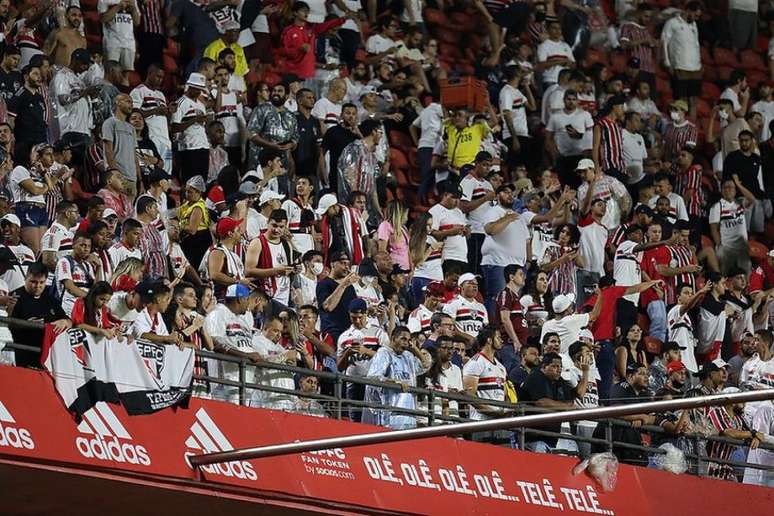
x=61 y=42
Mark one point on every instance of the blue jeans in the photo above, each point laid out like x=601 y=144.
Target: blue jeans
x=658 y=320
x=417 y=289
x=494 y=283
x=424 y=160
x=605 y=366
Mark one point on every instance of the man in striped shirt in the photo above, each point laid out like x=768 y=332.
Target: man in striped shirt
x=639 y=43
x=679 y=131
x=607 y=149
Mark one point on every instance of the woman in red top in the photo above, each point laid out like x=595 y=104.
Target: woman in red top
x=300 y=41
x=91 y=314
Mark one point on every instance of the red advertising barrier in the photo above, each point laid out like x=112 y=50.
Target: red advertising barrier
x=433 y=476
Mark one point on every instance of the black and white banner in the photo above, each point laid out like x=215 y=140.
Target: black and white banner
x=142 y=376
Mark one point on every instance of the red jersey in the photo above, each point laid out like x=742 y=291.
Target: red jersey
x=508 y=301
x=299 y=61
x=650 y=259
x=762 y=277
x=604 y=327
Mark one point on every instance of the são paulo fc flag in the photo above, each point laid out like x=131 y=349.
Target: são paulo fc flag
x=143 y=376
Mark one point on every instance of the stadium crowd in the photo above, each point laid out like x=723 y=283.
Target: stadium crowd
x=301 y=183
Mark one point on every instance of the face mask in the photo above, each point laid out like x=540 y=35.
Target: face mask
x=723 y=115
x=675 y=116
x=317 y=268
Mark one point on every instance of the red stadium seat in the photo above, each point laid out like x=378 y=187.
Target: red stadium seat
x=170 y=64
x=435 y=17
x=725 y=57
x=401 y=141
x=710 y=74
x=724 y=72
x=710 y=91
x=762 y=44
x=398 y=159
x=755 y=77
x=752 y=60
x=133 y=78
x=618 y=62
x=703 y=108
x=596 y=56
x=707 y=242
x=448 y=36
x=706 y=57
x=758 y=251
x=643 y=322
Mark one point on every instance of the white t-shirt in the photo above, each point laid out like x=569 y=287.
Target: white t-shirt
x=432 y=267
x=430 y=122
x=419 y=320
x=626 y=267
x=327 y=111
x=765 y=108
x=646 y=108
x=57 y=238
x=510 y=245
x=454 y=247
x=317 y=11
x=81 y=274
x=118 y=252
x=371 y=337
x=681 y=331
x=76 y=116
x=634 y=152
x=568 y=328
x=225 y=326
x=593 y=238
x=469 y=315
x=303 y=242
x=573 y=376
x=377 y=44
x=610 y=190
x=119 y=32
x=491 y=381
x=118 y=309
x=582 y=122
x=729 y=94
x=731 y=218
x=545 y=113
x=18 y=175
x=548 y=49
x=158 y=127
x=352 y=5
x=676 y=205
x=514 y=101
x=231 y=115
x=195 y=136
x=473 y=189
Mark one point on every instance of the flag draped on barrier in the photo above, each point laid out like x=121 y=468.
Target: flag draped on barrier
x=143 y=376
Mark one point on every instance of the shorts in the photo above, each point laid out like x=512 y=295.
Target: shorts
x=684 y=88
x=125 y=56
x=32 y=215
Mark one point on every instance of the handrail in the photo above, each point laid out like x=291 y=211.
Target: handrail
x=335 y=404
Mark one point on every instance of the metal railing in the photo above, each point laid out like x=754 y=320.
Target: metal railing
x=335 y=404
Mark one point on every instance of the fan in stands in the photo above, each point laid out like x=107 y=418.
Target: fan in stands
x=523 y=162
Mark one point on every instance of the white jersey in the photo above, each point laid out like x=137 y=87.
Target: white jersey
x=676 y=205
x=626 y=267
x=731 y=218
x=144 y=323
x=227 y=328
x=513 y=100
x=491 y=381
x=118 y=309
x=469 y=316
x=681 y=331
x=16 y=178
x=757 y=373
x=568 y=328
x=432 y=267
x=118 y=252
x=593 y=238
x=231 y=115
x=81 y=274
x=454 y=247
x=302 y=236
x=372 y=297
x=326 y=111
x=177 y=259
x=58 y=239
x=272 y=352
x=145 y=98
x=541 y=237
x=610 y=190
x=581 y=121
x=548 y=49
x=419 y=320
x=195 y=136
x=472 y=190
x=590 y=400
x=371 y=337
x=118 y=32
x=449 y=379
x=510 y=245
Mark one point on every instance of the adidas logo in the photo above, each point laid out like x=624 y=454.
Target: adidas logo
x=108 y=438
x=13 y=436
x=206 y=437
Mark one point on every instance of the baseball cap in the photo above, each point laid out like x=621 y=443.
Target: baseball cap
x=450 y=187
x=468 y=276
x=269 y=195
x=771 y=253
x=645 y=209
x=197 y=80
x=11 y=218
x=585 y=333
x=237 y=290
x=680 y=104
x=226 y=225
x=562 y=302
x=633 y=367
x=434 y=289
x=585 y=164
x=109 y=212
x=367 y=268
x=248 y=188
x=159 y=174
x=326 y=201
x=230 y=25
x=80 y=55
x=674 y=366
x=368 y=89
x=358 y=305
x=710 y=367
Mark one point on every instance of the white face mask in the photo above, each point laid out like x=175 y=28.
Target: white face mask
x=317 y=268
x=722 y=114
x=676 y=116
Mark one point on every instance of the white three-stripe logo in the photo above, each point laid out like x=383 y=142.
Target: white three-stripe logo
x=5 y=416
x=206 y=435
x=101 y=421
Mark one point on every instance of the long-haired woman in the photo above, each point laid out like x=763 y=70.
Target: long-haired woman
x=629 y=350
x=425 y=254
x=562 y=260
x=393 y=236
x=91 y=314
